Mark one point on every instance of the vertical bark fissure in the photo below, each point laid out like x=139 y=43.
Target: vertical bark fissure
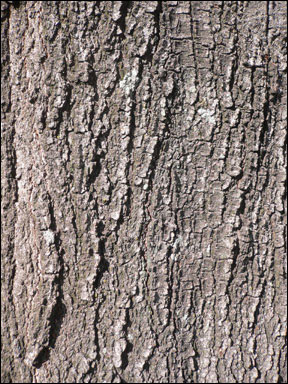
x=9 y=198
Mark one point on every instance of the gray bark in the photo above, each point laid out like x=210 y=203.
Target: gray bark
x=143 y=191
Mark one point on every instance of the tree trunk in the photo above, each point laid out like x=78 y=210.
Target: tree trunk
x=143 y=191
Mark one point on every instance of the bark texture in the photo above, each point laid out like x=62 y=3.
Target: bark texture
x=143 y=191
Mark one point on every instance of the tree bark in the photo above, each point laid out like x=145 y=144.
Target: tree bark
x=143 y=191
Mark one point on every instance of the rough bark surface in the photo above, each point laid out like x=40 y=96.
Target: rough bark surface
x=143 y=191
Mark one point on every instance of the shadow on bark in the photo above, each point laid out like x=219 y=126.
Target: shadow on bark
x=56 y=320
